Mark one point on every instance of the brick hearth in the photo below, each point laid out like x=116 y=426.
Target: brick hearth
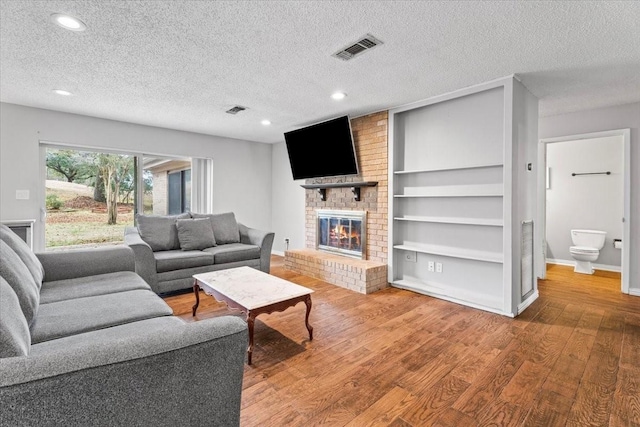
x=355 y=274
x=370 y=139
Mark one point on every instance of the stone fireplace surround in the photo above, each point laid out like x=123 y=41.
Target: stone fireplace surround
x=361 y=275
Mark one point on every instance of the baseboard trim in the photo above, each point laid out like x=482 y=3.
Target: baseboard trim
x=526 y=303
x=603 y=267
x=280 y=253
x=635 y=292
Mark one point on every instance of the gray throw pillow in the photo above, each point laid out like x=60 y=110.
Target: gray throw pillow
x=195 y=234
x=25 y=253
x=15 y=338
x=13 y=270
x=224 y=225
x=159 y=231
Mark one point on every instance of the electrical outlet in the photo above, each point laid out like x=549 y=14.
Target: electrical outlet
x=286 y=240
x=438 y=267
x=431 y=266
x=411 y=256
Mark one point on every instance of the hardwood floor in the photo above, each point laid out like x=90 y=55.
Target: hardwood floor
x=397 y=358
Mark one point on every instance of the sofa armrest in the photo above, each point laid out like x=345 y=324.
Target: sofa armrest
x=188 y=372
x=145 y=262
x=263 y=239
x=70 y=264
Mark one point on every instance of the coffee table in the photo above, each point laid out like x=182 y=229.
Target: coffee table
x=252 y=292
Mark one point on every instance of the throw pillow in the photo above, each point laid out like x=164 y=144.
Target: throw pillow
x=15 y=338
x=24 y=252
x=159 y=231
x=13 y=270
x=195 y=234
x=224 y=225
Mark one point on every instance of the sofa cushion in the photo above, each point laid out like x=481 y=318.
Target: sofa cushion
x=99 y=284
x=75 y=316
x=83 y=341
x=159 y=231
x=195 y=234
x=16 y=273
x=225 y=227
x=234 y=252
x=25 y=253
x=15 y=339
x=177 y=260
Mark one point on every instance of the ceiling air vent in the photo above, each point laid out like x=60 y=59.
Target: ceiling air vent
x=354 y=49
x=236 y=109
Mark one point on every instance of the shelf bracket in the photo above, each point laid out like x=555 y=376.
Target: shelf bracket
x=323 y=193
x=356 y=193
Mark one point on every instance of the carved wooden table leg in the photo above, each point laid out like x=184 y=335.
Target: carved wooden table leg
x=307 y=301
x=196 y=290
x=251 y=317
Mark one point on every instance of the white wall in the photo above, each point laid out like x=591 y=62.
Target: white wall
x=601 y=119
x=242 y=169
x=287 y=207
x=593 y=202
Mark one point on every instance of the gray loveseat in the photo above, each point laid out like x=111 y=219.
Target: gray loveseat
x=169 y=250
x=84 y=341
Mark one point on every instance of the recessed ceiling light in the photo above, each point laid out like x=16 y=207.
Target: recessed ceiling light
x=265 y=122
x=68 y=22
x=62 y=92
x=338 y=96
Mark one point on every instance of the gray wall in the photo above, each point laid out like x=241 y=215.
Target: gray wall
x=242 y=169
x=617 y=117
x=593 y=202
x=287 y=203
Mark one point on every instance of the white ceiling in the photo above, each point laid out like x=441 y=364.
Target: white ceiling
x=182 y=64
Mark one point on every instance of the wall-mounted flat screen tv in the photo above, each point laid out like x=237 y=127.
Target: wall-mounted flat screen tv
x=323 y=149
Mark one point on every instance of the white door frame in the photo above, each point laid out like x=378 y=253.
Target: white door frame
x=542 y=199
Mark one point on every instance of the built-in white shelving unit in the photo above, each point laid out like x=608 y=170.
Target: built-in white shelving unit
x=492 y=222
x=453 y=252
x=482 y=190
x=457 y=184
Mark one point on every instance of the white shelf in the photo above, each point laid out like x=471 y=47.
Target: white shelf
x=481 y=190
x=493 y=222
x=448 y=251
x=449 y=293
x=492 y=165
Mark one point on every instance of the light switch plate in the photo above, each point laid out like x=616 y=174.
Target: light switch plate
x=22 y=194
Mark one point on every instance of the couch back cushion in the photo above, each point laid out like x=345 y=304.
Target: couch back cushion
x=224 y=225
x=16 y=273
x=195 y=234
x=25 y=253
x=159 y=231
x=15 y=338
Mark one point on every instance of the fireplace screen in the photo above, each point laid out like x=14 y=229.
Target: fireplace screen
x=343 y=232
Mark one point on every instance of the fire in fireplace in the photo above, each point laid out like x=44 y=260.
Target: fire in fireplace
x=343 y=232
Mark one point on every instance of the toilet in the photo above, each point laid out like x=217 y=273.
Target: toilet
x=586 y=249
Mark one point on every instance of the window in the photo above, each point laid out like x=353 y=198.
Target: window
x=179 y=192
x=167 y=185
x=92 y=196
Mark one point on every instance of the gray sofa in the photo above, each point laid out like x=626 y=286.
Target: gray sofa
x=84 y=341
x=169 y=250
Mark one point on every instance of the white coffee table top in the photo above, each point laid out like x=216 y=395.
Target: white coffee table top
x=249 y=287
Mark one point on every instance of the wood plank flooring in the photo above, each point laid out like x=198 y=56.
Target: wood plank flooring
x=398 y=358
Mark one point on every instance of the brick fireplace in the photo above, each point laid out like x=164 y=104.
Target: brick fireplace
x=368 y=273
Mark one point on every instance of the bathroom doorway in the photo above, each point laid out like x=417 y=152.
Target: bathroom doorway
x=584 y=183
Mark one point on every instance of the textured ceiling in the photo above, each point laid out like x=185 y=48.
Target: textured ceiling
x=181 y=64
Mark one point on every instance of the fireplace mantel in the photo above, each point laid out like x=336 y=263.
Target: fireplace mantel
x=355 y=187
